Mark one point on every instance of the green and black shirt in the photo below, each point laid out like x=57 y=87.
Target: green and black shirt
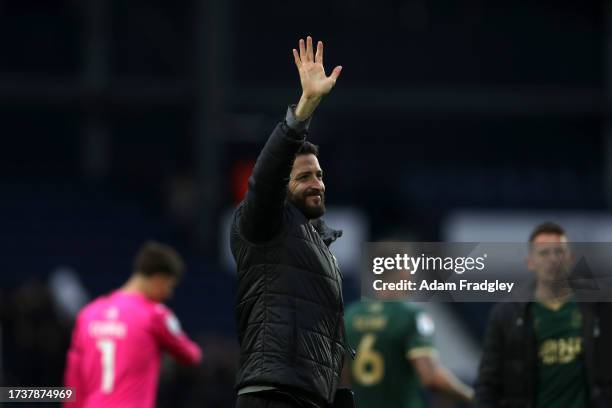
x=562 y=381
x=387 y=335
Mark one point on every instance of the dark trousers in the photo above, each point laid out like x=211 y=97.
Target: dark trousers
x=266 y=400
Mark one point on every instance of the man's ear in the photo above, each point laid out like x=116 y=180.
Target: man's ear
x=529 y=263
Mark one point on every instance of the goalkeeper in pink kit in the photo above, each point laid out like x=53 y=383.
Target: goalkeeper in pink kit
x=118 y=339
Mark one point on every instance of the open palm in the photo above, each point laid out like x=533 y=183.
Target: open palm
x=315 y=83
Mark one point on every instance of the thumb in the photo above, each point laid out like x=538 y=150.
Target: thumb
x=336 y=73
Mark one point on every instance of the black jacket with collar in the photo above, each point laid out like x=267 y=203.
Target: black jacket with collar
x=508 y=370
x=288 y=306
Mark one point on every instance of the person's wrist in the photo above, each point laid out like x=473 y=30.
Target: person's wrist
x=310 y=98
x=294 y=123
x=306 y=106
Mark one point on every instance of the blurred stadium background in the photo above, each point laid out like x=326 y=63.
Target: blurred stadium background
x=122 y=121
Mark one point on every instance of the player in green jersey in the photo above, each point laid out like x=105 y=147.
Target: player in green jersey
x=395 y=356
x=550 y=352
x=558 y=329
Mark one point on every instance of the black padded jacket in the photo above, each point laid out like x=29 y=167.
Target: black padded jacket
x=288 y=306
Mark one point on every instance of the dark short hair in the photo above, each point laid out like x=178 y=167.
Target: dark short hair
x=546 y=228
x=308 y=148
x=156 y=258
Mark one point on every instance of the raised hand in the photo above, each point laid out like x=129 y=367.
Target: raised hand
x=312 y=73
x=315 y=83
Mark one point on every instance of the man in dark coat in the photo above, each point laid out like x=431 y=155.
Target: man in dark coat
x=289 y=307
x=552 y=352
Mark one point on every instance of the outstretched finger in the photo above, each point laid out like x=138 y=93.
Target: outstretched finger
x=296 y=57
x=319 y=54
x=336 y=73
x=309 y=51
x=302 y=50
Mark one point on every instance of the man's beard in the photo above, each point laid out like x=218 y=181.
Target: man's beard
x=559 y=272
x=557 y=277
x=309 y=211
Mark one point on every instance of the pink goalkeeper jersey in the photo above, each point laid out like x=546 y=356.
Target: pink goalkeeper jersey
x=116 y=350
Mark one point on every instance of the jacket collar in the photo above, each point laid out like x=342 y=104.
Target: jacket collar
x=327 y=234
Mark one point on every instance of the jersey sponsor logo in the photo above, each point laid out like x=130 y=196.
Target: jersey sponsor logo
x=560 y=351
x=425 y=325
x=173 y=324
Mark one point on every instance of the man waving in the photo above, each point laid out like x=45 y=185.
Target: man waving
x=289 y=309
